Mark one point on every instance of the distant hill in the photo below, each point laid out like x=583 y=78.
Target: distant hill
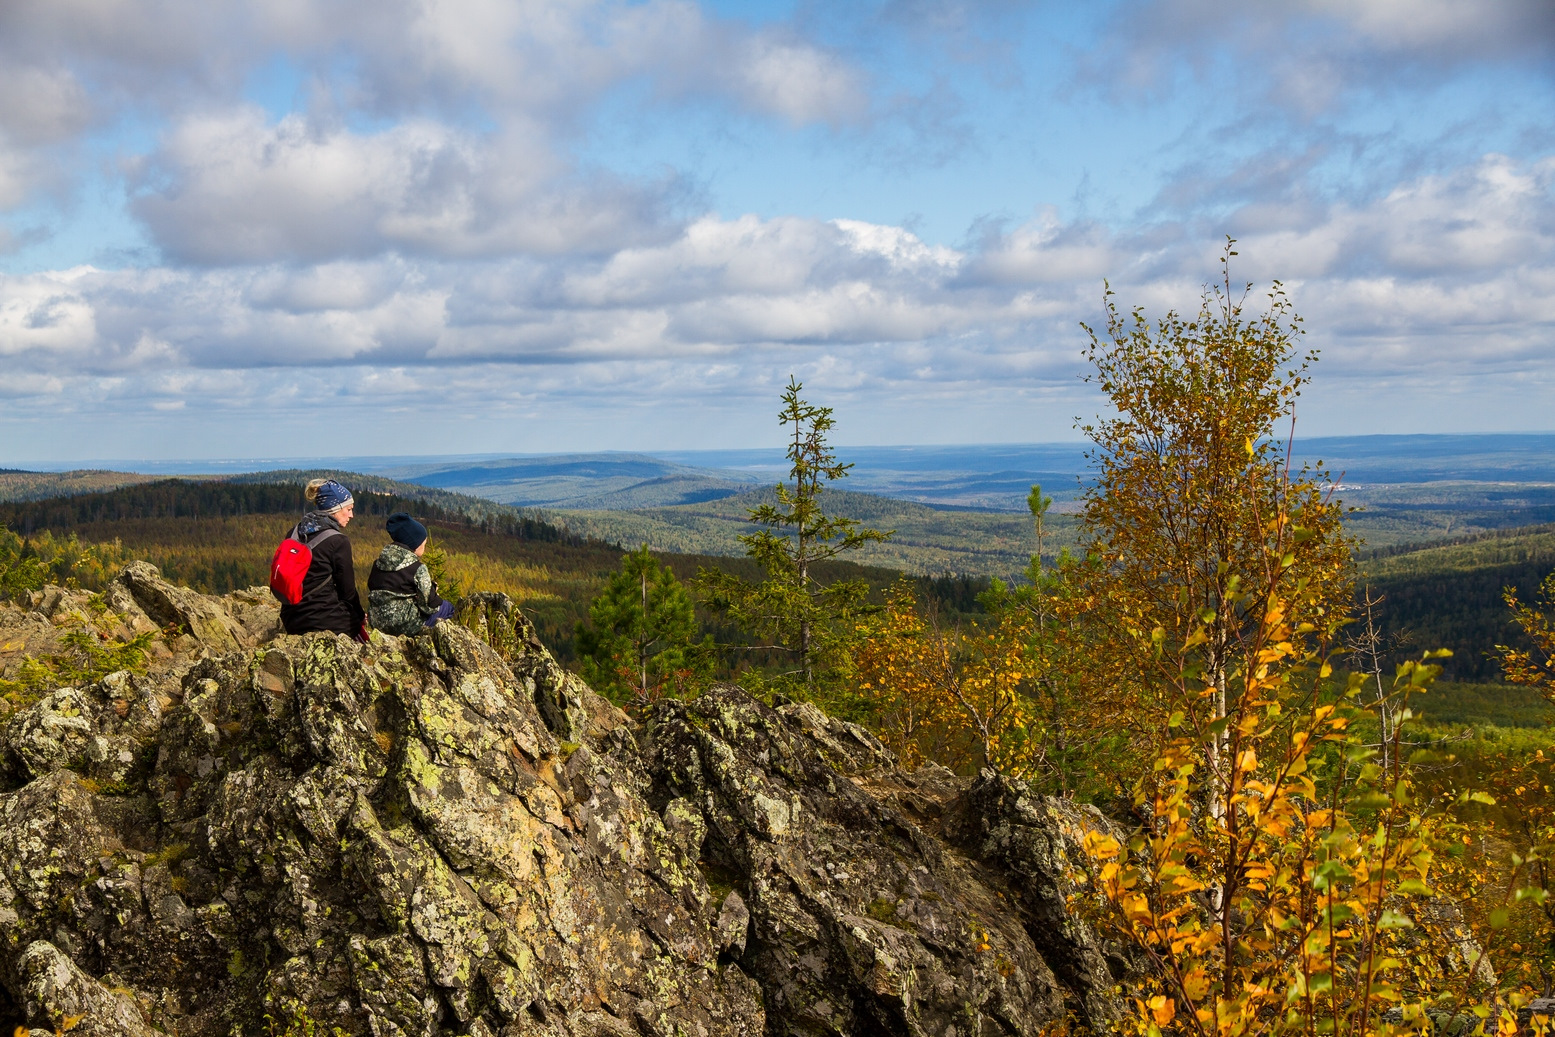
x=213 y=499
x=990 y=477
x=217 y=535
x=1410 y=489
x=1413 y=513
x=18 y=485
x=1492 y=458
x=927 y=541
x=606 y=481
x=1413 y=486
x=1449 y=595
x=475 y=507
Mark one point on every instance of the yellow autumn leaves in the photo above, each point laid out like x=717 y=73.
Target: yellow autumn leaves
x=955 y=694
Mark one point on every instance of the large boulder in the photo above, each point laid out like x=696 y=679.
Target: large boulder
x=870 y=907
x=241 y=620
x=433 y=836
x=183 y=626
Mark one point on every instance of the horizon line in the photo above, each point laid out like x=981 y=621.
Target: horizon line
x=107 y=464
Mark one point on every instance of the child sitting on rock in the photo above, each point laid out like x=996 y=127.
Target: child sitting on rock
x=401 y=597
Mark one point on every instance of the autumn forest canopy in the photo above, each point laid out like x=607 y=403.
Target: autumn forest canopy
x=1295 y=844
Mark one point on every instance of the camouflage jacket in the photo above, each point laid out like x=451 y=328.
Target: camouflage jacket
x=400 y=592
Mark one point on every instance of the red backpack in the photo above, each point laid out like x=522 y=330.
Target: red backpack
x=290 y=564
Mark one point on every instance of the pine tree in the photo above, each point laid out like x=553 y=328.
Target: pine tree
x=791 y=610
x=642 y=637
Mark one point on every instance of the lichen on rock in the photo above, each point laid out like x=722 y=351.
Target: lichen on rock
x=433 y=835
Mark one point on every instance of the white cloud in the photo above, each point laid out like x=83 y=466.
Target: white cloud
x=41 y=104
x=1305 y=55
x=800 y=83
x=1046 y=249
x=420 y=219
x=22 y=384
x=1494 y=215
x=20 y=172
x=901 y=248
x=234 y=188
x=1455 y=30
x=1442 y=273
x=327 y=286
x=1490 y=219
x=46 y=318
x=421 y=72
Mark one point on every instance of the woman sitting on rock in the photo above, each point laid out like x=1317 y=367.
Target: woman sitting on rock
x=329 y=597
x=400 y=593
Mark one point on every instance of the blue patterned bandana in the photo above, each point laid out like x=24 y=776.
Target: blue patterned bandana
x=332 y=497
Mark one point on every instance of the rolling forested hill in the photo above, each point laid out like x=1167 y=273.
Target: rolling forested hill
x=926 y=540
x=218 y=536
x=17 y=485
x=1450 y=595
x=180 y=498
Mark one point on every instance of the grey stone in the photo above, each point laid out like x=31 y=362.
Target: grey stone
x=448 y=834
x=63 y=997
x=733 y=925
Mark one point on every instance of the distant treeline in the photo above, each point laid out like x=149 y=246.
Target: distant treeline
x=1523 y=542
x=1463 y=611
x=450 y=502
x=1446 y=595
x=179 y=498
x=1450 y=596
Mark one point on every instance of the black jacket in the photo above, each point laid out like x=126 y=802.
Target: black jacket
x=329 y=597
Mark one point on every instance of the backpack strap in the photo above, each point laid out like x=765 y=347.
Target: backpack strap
x=318 y=538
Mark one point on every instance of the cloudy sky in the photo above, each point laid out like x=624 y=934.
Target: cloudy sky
x=330 y=227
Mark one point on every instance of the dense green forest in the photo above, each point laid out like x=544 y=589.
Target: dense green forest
x=1449 y=595
x=20 y=485
x=180 y=499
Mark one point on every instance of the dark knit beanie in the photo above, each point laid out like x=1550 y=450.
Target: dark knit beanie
x=405 y=530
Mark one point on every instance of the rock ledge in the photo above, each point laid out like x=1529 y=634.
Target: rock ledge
x=428 y=836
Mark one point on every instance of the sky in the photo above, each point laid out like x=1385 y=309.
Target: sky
x=375 y=227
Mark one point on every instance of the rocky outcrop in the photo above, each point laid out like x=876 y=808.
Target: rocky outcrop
x=188 y=626
x=433 y=835
x=878 y=900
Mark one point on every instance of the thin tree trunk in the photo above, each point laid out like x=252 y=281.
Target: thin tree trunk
x=802 y=557
x=1215 y=752
x=804 y=618
x=642 y=640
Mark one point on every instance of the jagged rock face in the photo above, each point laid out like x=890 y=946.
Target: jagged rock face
x=424 y=836
x=880 y=902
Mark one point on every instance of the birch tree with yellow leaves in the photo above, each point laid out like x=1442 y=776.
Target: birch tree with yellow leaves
x=1195 y=511
x=955 y=695
x=1281 y=879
